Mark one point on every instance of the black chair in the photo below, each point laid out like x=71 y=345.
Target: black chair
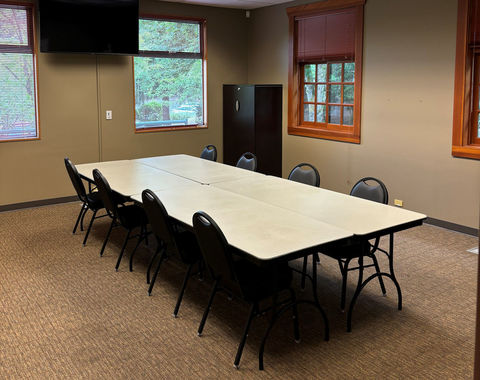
x=305 y=173
x=240 y=277
x=127 y=216
x=248 y=161
x=209 y=153
x=376 y=192
x=170 y=240
x=90 y=201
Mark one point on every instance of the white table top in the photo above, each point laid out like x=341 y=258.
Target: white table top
x=197 y=169
x=260 y=229
x=131 y=177
x=357 y=215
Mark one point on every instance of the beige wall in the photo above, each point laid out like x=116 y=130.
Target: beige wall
x=76 y=89
x=407 y=103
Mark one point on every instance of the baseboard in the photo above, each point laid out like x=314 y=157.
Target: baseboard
x=452 y=226
x=42 y=202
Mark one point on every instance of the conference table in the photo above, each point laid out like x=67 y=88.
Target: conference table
x=269 y=219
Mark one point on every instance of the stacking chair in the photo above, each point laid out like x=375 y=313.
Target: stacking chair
x=90 y=201
x=305 y=173
x=247 y=161
x=240 y=277
x=209 y=153
x=127 y=216
x=183 y=244
x=377 y=192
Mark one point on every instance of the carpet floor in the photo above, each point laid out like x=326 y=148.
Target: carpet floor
x=66 y=313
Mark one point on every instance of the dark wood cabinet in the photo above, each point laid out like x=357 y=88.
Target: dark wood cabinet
x=252 y=122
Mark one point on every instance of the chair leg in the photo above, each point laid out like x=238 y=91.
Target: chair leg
x=380 y=279
x=182 y=291
x=123 y=250
x=154 y=278
x=296 y=329
x=344 y=271
x=106 y=238
x=207 y=309
x=316 y=258
x=150 y=264
x=82 y=211
x=253 y=308
x=304 y=272
x=140 y=238
x=89 y=227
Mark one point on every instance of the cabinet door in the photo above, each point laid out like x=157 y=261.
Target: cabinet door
x=268 y=129
x=238 y=122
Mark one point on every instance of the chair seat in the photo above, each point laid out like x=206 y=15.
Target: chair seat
x=94 y=201
x=344 y=251
x=132 y=216
x=258 y=283
x=188 y=246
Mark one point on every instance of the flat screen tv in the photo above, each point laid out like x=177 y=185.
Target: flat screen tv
x=89 y=26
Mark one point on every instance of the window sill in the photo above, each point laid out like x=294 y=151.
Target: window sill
x=466 y=151
x=176 y=128
x=302 y=130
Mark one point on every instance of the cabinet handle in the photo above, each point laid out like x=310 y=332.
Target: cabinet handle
x=237 y=105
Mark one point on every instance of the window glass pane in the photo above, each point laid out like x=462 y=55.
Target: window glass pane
x=322 y=72
x=335 y=93
x=309 y=112
x=13 y=27
x=334 y=114
x=348 y=94
x=321 y=113
x=168 y=92
x=321 y=93
x=309 y=73
x=17 y=97
x=172 y=36
x=335 y=72
x=309 y=93
x=348 y=115
x=478 y=125
x=349 y=73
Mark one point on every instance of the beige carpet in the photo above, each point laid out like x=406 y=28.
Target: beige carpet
x=66 y=313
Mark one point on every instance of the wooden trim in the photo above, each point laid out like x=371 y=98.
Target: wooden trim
x=329 y=131
x=172 y=128
x=322 y=6
x=461 y=132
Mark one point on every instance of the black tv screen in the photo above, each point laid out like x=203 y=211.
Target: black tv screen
x=89 y=26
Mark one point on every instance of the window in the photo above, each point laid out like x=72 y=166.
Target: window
x=18 y=93
x=170 y=72
x=466 y=106
x=324 y=87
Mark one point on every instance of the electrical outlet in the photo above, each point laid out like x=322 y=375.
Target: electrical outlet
x=108 y=115
x=398 y=202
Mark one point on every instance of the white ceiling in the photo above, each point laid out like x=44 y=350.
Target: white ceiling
x=240 y=4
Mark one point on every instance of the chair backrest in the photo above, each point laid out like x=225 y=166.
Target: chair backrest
x=215 y=249
x=209 y=153
x=247 y=161
x=76 y=180
x=105 y=192
x=158 y=218
x=305 y=173
x=376 y=192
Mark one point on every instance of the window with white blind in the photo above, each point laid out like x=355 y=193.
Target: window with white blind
x=18 y=94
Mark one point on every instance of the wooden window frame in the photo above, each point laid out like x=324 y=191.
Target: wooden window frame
x=31 y=48
x=165 y=54
x=295 y=80
x=463 y=143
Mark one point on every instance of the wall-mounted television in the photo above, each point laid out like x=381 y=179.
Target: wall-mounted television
x=89 y=26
